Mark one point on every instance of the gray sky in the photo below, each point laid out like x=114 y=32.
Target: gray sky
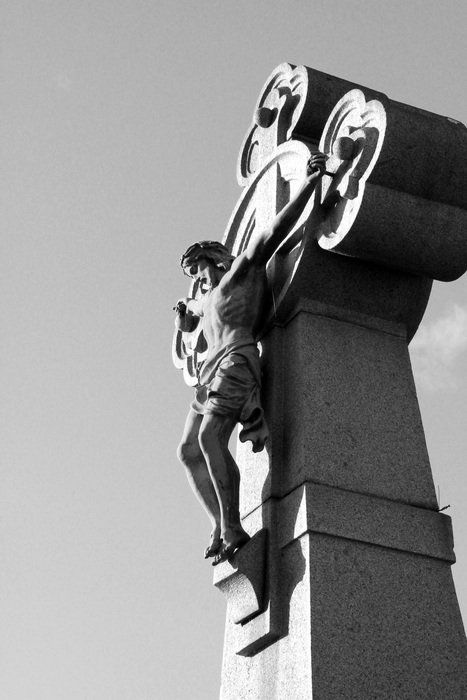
x=122 y=123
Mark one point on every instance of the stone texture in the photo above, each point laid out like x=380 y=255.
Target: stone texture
x=362 y=605
x=423 y=157
x=363 y=621
x=358 y=599
x=409 y=233
x=267 y=625
x=384 y=624
x=350 y=412
x=355 y=516
x=355 y=286
x=243 y=579
x=342 y=410
x=428 y=138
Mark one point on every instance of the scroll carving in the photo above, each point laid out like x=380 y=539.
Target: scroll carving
x=352 y=139
x=270 y=167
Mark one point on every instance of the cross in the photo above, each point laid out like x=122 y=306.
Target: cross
x=345 y=588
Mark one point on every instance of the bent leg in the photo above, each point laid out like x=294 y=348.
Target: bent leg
x=191 y=456
x=214 y=433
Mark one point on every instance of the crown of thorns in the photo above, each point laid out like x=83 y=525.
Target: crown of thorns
x=213 y=251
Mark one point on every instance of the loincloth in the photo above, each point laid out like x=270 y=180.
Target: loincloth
x=230 y=385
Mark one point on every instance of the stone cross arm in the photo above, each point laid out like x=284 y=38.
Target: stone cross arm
x=394 y=193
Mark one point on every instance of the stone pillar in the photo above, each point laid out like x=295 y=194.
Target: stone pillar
x=345 y=590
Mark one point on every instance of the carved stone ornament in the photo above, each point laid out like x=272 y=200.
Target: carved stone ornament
x=189 y=349
x=352 y=139
x=271 y=166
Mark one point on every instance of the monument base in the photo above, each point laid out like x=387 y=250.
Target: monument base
x=358 y=599
x=350 y=594
x=367 y=601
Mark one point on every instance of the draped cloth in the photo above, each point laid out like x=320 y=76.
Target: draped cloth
x=230 y=385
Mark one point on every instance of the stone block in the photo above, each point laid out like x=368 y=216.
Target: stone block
x=366 y=602
x=409 y=233
x=242 y=579
x=384 y=624
x=358 y=601
x=355 y=516
x=351 y=417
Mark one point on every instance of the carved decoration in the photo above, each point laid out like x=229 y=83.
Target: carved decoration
x=189 y=349
x=277 y=111
x=352 y=138
x=271 y=166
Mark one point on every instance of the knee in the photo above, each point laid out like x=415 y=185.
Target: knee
x=215 y=431
x=188 y=452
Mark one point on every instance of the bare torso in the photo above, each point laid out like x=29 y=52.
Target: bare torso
x=233 y=311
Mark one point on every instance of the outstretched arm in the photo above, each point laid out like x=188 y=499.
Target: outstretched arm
x=264 y=245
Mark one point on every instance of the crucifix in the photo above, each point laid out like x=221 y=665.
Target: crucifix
x=343 y=587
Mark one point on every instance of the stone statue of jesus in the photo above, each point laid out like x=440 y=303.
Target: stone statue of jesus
x=232 y=307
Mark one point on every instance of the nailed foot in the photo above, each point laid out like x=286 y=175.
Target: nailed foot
x=231 y=542
x=214 y=545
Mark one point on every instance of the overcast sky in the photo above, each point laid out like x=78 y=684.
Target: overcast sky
x=122 y=122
